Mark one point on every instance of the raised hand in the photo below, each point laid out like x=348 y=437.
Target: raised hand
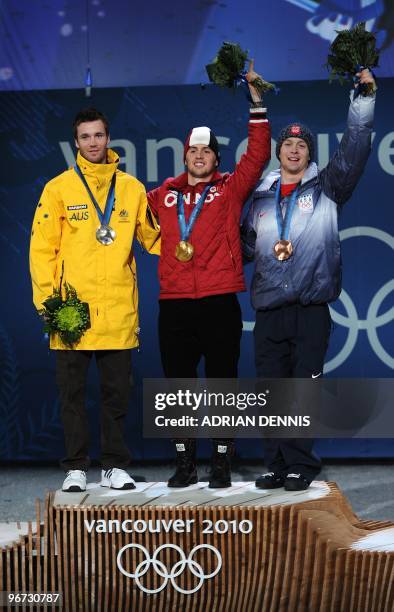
x=252 y=76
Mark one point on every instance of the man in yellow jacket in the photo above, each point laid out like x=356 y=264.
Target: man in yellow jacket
x=82 y=235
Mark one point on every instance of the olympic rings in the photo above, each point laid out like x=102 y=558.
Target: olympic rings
x=373 y=321
x=176 y=569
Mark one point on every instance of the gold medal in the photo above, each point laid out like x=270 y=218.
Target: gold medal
x=283 y=249
x=184 y=251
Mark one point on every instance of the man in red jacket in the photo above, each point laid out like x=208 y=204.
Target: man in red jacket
x=200 y=269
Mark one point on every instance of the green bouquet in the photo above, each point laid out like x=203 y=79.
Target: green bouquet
x=352 y=50
x=228 y=69
x=69 y=317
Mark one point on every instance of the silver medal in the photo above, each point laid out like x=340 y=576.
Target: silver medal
x=105 y=235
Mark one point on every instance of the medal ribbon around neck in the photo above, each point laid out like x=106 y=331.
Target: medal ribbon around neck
x=109 y=204
x=185 y=229
x=284 y=223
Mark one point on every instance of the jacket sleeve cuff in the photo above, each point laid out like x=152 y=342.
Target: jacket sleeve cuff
x=258 y=115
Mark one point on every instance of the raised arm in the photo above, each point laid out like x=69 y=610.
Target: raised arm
x=258 y=152
x=346 y=166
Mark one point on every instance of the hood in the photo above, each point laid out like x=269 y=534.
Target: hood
x=102 y=171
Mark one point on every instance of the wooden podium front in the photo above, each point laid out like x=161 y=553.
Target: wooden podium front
x=193 y=549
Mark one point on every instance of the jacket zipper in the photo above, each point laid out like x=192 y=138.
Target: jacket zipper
x=230 y=252
x=194 y=278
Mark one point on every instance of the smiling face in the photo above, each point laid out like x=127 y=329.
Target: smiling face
x=294 y=156
x=92 y=141
x=200 y=163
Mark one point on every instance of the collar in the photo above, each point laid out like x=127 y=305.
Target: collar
x=310 y=173
x=100 y=171
x=179 y=183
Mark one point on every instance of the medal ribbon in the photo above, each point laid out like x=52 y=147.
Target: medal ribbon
x=242 y=81
x=284 y=223
x=361 y=88
x=186 y=228
x=109 y=204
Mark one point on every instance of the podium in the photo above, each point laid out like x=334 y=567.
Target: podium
x=195 y=549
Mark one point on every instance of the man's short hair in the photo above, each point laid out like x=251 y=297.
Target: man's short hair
x=89 y=114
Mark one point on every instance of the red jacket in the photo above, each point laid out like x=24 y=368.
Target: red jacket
x=216 y=266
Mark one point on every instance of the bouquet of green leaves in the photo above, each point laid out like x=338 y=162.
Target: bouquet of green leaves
x=69 y=317
x=352 y=51
x=228 y=69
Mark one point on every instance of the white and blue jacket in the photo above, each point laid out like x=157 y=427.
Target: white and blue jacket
x=312 y=275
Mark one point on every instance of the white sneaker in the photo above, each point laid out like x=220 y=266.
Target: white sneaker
x=116 y=478
x=75 y=481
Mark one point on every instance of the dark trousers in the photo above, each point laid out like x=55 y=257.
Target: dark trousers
x=114 y=369
x=291 y=342
x=209 y=327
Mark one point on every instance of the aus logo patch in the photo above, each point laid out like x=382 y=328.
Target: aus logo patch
x=305 y=203
x=80 y=216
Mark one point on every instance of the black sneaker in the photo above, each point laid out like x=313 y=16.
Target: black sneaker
x=186 y=471
x=270 y=480
x=296 y=482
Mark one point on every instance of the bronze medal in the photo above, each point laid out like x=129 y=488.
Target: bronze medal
x=184 y=251
x=283 y=249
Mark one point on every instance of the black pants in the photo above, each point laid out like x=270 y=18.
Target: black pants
x=291 y=341
x=209 y=327
x=115 y=374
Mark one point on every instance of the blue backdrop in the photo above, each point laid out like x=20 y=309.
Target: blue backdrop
x=148 y=127
x=45 y=45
